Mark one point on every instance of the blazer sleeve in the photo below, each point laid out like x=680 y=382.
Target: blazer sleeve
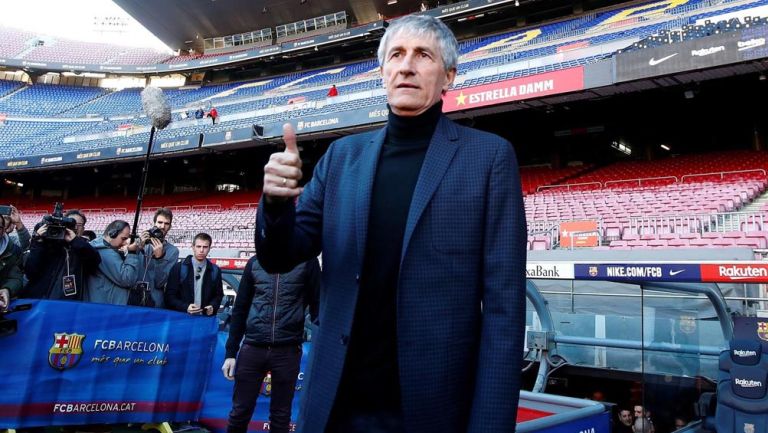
x=497 y=387
x=173 y=298
x=288 y=234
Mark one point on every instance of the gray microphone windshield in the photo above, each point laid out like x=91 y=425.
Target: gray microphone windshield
x=156 y=107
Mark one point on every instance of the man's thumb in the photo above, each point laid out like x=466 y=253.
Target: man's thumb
x=289 y=137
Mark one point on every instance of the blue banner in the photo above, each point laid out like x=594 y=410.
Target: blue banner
x=235 y=135
x=328 y=122
x=638 y=271
x=75 y=363
x=176 y=144
x=217 y=400
x=354 y=32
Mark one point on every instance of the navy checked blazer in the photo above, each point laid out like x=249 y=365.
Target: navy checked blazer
x=461 y=288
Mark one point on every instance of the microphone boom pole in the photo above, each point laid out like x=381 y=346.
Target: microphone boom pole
x=144 y=175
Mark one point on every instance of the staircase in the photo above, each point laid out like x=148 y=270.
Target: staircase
x=757 y=204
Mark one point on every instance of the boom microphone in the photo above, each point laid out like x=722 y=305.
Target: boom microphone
x=159 y=113
x=156 y=107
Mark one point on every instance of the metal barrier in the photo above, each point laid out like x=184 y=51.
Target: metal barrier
x=722 y=174
x=639 y=180
x=569 y=185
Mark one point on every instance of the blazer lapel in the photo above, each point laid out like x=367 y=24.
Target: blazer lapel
x=366 y=173
x=442 y=148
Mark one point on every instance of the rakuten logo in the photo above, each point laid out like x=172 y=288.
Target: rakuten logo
x=744 y=383
x=744 y=353
x=736 y=272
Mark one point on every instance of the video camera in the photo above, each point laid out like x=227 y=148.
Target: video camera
x=156 y=233
x=58 y=224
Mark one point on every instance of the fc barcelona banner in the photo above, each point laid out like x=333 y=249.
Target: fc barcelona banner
x=79 y=363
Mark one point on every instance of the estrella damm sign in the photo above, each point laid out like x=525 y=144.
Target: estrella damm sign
x=66 y=351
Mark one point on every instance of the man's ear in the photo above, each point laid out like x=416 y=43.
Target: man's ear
x=450 y=76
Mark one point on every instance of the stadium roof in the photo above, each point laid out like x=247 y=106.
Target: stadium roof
x=178 y=22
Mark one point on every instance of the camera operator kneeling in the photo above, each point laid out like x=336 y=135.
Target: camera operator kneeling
x=59 y=260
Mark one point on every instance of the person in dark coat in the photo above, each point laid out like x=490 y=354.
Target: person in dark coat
x=59 y=269
x=194 y=284
x=422 y=307
x=268 y=317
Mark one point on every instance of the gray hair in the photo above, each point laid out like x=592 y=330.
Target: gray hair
x=419 y=26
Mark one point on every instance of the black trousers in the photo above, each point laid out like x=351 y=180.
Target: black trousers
x=253 y=363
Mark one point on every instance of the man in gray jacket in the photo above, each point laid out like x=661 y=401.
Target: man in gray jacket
x=157 y=256
x=119 y=269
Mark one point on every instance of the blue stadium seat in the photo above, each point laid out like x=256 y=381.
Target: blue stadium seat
x=742 y=394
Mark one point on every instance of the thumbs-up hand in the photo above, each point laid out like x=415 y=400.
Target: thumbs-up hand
x=283 y=171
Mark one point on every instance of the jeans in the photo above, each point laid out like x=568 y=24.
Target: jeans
x=253 y=363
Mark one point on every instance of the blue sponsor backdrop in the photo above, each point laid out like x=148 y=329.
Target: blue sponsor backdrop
x=80 y=363
x=217 y=400
x=638 y=272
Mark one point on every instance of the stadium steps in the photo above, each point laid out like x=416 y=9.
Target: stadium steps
x=758 y=204
x=13 y=92
x=63 y=113
x=25 y=52
x=587 y=169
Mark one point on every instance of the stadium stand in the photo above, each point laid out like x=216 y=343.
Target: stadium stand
x=15 y=42
x=47 y=99
x=689 y=201
x=617 y=194
x=704 y=211
x=484 y=60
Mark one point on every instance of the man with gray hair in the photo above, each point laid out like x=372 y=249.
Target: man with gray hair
x=422 y=306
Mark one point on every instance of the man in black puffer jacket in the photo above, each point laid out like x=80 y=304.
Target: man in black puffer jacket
x=268 y=317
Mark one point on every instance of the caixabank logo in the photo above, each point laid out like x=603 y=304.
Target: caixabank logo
x=66 y=351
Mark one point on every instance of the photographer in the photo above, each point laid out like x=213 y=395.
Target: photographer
x=195 y=285
x=59 y=260
x=118 y=271
x=157 y=257
x=10 y=264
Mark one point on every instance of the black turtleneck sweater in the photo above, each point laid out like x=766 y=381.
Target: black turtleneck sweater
x=370 y=381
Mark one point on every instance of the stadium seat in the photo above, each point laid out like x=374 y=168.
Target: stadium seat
x=742 y=397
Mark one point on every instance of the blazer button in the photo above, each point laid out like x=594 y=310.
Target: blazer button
x=344 y=340
x=357 y=278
